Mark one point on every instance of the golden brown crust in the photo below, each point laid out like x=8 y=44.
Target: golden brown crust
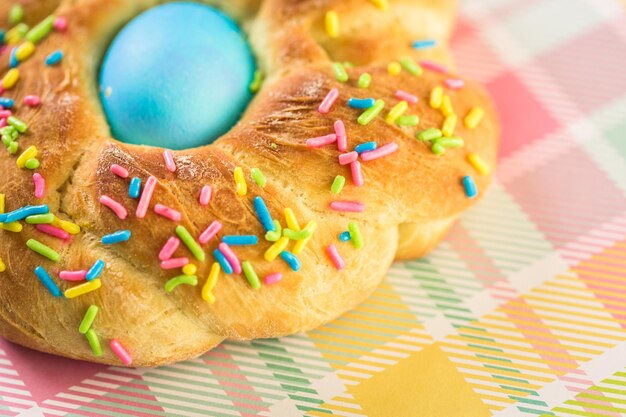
x=411 y=197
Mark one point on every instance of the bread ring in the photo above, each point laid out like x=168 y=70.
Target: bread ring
x=410 y=196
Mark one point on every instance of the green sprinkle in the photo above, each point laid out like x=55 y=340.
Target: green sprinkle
x=365 y=80
x=276 y=234
x=13 y=147
x=190 y=242
x=429 y=134
x=179 y=280
x=16 y=14
x=6 y=140
x=90 y=316
x=43 y=250
x=437 y=149
x=257 y=81
x=32 y=163
x=409 y=120
x=41 y=30
x=411 y=67
x=9 y=131
x=16 y=123
x=92 y=338
x=40 y=219
x=368 y=115
x=297 y=234
x=348 y=64
x=258 y=177
x=338 y=184
x=340 y=72
x=355 y=235
x=440 y=144
x=251 y=276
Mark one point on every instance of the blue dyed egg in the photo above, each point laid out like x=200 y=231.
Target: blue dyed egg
x=176 y=76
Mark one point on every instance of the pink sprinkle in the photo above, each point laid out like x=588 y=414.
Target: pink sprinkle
x=348 y=206
x=454 y=83
x=328 y=101
x=73 y=275
x=321 y=141
x=210 y=232
x=174 y=263
x=60 y=24
x=205 y=195
x=146 y=196
x=433 y=66
x=5 y=114
x=272 y=278
x=40 y=185
x=342 y=138
x=380 y=152
x=52 y=231
x=230 y=257
x=348 y=158
x=333 y=253
x=408 y=97
x=169 y=160
x=3 y=49
x=169 y=248
x=357 y=173
x=167 y=212
x=121 y=353
x=117 y=208
x=32 y=101
x=119 y=171
x=3 y=123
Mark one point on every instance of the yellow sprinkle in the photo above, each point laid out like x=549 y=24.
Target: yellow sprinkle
x=276 y=249
x=474 y=117
x=299 y=246
x=2 y=203
x=446 y=106
x=24 y=51
x=394 y=68
x=82 y=289
x=240 y=182
x=207 y=289
x=478 y=163
x=10 y=78
x=190 y=269
x=396 y=111
x=69 y=227
x=332 y=24
x=292 y=222
x=29 y=153
x=449 y=124
x=436 y=97
x=16 y=34
x=381 y=4
x=3 y=267
x=14 y=227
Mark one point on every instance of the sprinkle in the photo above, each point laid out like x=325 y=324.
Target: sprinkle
x=43 y=250
x=207 y=288
x=167 y=212
x=174 y=263
x=293 y=234
x=115 y=206
x=60 y=24
x=384 y=150
x=396 y=111
x=169 y=160
x=440 y=144
x=446 y=106
x=263 y=214
x=88 y=319
x=10 y=78
x=342 y=138
x=180 y=280
x=210 y=232
x=167 y=251
x=14 y=227
x=121 y=353
x=381 y=4
x=340 y=72
x=47 y=281
x=41 y=30
x=365 y=80
x=332 y=23
x=433 y=66
x=257 y=81
x=14 y=35
x=94 y=342
x=251 y=276
x=337 y=260
x=292 y=260
x=470 y=186
x=368 y=115
x=32 y=163
x=190 y=269
x=116 y=237
x=40 y=219
x=478 y=163
x=429 y=134
x=258 y=177
x=276 y=249
x=344 y=236
x=16 y=14
x=82 y=289
x=357 y=174
x=361 y=103
x=40 y=185
x=355 y=235
x=474 y=117
x=301 y=244
x=348 y=206
x=23 y=212
x=408 y=97
x=394 y=68
x=69 y=227
x=205 y=195
x=454 y=83
x=32 y=100
x=221 y=259
x=190 y=242
x=73 y=275
x=338 y=184
x=54 y=58
x=449 y=125
x=230 y=255
x=290 y=218
x=240 y=182
x=320 y=141
x=120 y=171
x=411 y=67
x=30 y=152
x=348 y=158
x=328 y=101
x=6 y=102
x=146 y=196
x=424 y=44
x=411 y=120
x=273 y=236
x=24 y=51
x=52 y=231
x=134 y=187
x=272 y=278
x=240 y=240
x=95 y=270
x=436 y=97
x=3 y=266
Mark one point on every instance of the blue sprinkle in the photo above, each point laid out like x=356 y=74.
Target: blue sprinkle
x=292 y=260
x=425 y=44
x=13 y=62
x=364 y=147
x=7 y=103
x=2 y=32
x=47 y=281
x=22 y=213
x=221 y=259
x=54 y=58
x=238 y=240
x=361 y=103
x=263 y=214
x=344 y=236
x=470 y=186
x=116 y=237
x=95 y=271
x=134 y=188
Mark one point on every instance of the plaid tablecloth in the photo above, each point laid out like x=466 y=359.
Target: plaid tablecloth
x=521 y=311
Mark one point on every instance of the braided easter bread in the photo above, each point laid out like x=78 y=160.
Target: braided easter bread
x=288 y=153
